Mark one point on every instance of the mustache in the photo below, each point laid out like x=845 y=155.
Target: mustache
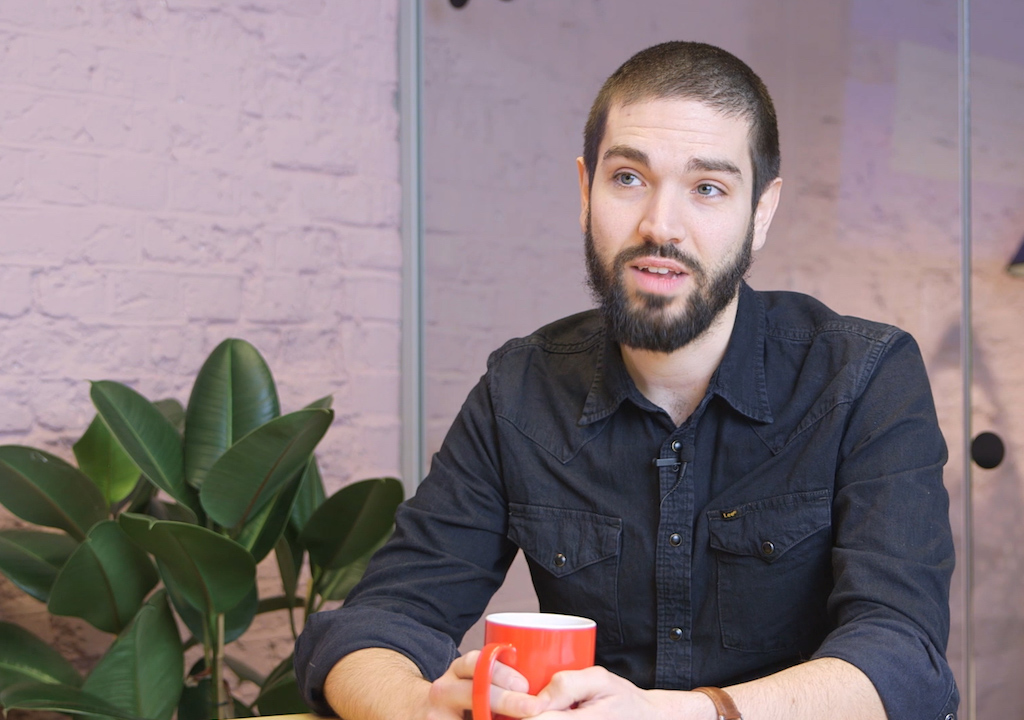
x=668 y=251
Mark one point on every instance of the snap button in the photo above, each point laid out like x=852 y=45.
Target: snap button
x=677 y=445
x=951 y=716
x=767 y=547
x=675 y=634
x=559 y=560
x=675 y=539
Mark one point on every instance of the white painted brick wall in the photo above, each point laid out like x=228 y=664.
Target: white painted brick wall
x=175 y=173
x=197 y=171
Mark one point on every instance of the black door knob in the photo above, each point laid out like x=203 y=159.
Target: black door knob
x=987 y=450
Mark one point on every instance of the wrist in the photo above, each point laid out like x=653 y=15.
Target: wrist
x=680 y=705
x=725 y=708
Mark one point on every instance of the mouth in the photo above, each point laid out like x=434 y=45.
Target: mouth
x=658 y=266
x=657 y=270
x=658 y=276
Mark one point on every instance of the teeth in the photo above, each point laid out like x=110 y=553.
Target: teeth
x=656 y=270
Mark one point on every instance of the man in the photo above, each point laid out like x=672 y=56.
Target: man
x=743 y=489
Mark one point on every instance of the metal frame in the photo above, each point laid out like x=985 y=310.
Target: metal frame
x=968 y=699
x=410 y=57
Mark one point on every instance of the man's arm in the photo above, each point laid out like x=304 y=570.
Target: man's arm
x=377 y=684
x=827 y=687
x=824 y=688
x=381 y=684
x=405 y=602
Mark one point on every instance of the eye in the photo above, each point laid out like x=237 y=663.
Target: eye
x=708 y=190
x=627 y=179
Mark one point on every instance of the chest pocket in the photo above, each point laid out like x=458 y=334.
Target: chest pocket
x=574 y=562
x=773 y=560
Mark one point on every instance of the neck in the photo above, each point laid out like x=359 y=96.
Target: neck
x=677 y=381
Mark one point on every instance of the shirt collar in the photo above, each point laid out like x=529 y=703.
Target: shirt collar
x=611 y=385
x=739 y=380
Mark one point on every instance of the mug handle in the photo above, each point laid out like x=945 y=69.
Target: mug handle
x=482 y=677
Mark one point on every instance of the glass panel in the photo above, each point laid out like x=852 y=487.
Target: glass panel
x=866 y=92
x=997 y=99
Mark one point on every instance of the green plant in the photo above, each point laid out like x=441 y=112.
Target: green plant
x=165 y=519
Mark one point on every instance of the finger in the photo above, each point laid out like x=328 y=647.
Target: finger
x=570 y=687
x=509 y=678
x=450 y=693
x=515 y=704
x=454 y=689
x=464 y=665
x=503 y=676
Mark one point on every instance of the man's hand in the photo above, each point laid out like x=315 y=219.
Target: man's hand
x=826 y=687
x=596 y=694
x=379 y=684
x=452 y=693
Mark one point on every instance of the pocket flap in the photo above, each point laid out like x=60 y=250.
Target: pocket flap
x=563 y=541
x=768 y=528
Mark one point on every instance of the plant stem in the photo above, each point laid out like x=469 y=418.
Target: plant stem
x=314 y=580
x=291 y=620
x=222 y=698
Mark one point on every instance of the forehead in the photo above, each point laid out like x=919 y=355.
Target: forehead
x=670 y=130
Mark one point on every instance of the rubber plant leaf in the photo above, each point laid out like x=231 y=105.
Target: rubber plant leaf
x=25 y=658
x=244 y=670
x=142 y=672
x=213 y=573
x=146 y=435
x=311 y=486
x=337 y=584
x=31 y=559
x=260 y=532
x=236 y=620
x=196 y=698
x=44 y=697
x=280 y=694
x=252 y=471
x=234 y=393
x=289 y=563
x=41 y=488
x=311 y=495
x=351 y=522
x=101 y=457
x=105 y=581
x=173 y=411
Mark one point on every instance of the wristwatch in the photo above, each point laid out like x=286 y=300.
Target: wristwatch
x=724 y=705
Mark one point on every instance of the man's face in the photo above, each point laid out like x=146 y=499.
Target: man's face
x=667 y=221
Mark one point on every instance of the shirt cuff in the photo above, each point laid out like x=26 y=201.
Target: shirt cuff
x=330 y=635
x=910 y=674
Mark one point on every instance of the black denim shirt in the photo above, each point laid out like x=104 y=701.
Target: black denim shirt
x=798 y=513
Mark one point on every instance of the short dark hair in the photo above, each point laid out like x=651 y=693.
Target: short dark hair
x=693 y=71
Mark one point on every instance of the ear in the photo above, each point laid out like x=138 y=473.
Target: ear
x=584 y=193
x=765 y=211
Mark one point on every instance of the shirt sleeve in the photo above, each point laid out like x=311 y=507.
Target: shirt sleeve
x=893 y=548
x=433 y=579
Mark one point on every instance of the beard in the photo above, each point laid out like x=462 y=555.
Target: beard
x=645 y=323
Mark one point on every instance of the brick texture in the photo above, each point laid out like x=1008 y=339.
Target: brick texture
x=173 y=174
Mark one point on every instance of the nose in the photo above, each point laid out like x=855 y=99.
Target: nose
x=663 y=220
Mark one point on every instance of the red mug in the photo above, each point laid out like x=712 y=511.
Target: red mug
x=537 y=645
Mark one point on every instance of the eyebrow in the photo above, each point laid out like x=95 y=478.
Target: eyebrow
x=627 y=153
x=697 y=164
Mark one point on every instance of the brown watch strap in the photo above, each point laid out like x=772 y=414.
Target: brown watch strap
x=724 y=705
